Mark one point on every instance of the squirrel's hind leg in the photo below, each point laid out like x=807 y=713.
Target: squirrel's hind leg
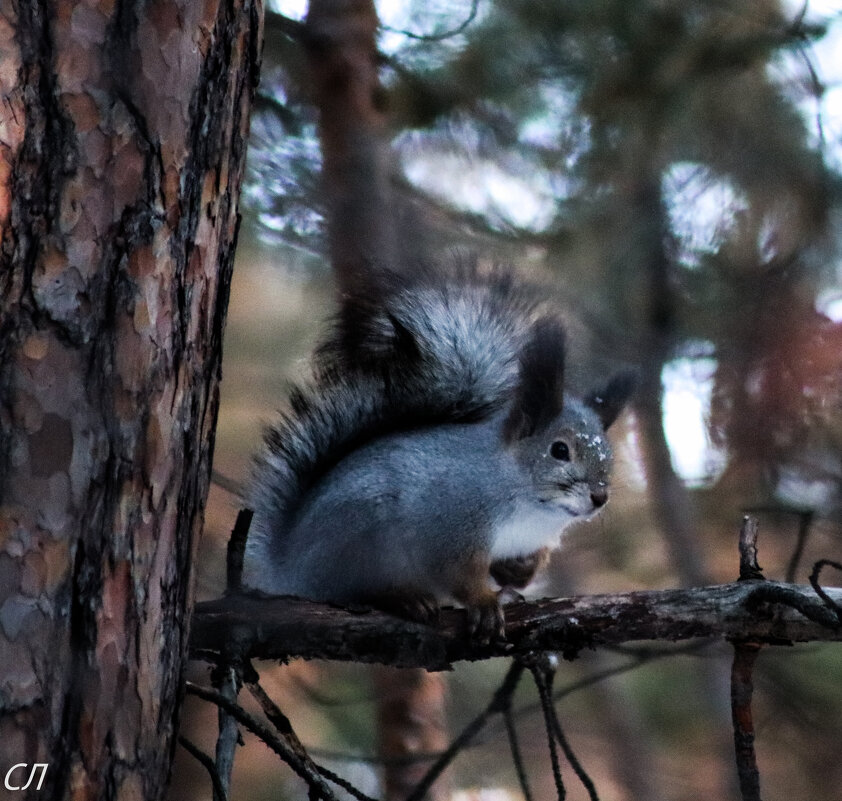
x=471 y=588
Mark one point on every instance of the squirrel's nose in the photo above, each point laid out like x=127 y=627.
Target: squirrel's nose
x=599 y=496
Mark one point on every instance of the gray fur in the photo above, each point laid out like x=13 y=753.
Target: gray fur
x=360 y=531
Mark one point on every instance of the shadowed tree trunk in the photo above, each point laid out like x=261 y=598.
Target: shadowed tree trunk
x=122 y=139
x=341 y=42
x=412 y=722
x=671 y=501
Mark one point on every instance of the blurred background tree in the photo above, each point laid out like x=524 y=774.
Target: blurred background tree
x=675 y=167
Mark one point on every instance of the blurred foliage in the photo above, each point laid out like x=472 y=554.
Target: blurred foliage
x=665 y=158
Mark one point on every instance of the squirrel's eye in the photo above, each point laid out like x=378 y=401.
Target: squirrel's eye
x=560 y=451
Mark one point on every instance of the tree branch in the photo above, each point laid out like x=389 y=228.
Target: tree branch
x=742 y=688
x=285 y=628
x=209 y=765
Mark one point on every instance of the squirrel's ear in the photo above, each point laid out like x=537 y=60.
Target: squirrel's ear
x=609 y=402
x=540 y=390
x=403 y=342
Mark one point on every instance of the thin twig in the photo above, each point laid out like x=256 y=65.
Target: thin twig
x=637 y=659
x=497 y=704
x=314 y=780
x=742 y=687
x=277 y=718
x=438 y=37
x=228 y=676
x=814 y=583
x=788 y=595
x=209 y=765
x=517 y=757
x=561 y=738
x=349 y=788
x=578 y=769
x=284 y=728
x=805 y=520
x=542 y=683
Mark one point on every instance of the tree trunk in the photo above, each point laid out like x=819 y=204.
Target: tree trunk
x=122 y=139
x=411 y=725
x=341 y=42
x=671 y=502
x=670 y=499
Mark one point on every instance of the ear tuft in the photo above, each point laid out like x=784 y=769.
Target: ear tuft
x=609 y=402
x=540 y=391
x=403 y=341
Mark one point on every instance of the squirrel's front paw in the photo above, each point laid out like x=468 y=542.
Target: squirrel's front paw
x=486 y=623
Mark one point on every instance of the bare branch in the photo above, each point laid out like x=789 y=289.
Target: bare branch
x=805 y=520
x=830 y=603
x=438 y=37
x=742 y=688
x=284 y=628
x=500 y=702
x=207 y=762
x=542 y=683
x=749 y=569
x=279 y=24
x=280 y=746
x=227 y=680
x=284 y=728
x=543 y=671
x=517 y=756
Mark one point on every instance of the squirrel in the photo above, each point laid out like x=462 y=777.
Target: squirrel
x=435 y=452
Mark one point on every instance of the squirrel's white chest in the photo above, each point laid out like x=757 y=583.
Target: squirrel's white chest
x=527 y=530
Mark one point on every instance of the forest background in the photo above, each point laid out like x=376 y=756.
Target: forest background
x=674 y=167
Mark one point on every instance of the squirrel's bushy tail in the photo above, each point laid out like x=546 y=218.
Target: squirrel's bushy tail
x=439 y=346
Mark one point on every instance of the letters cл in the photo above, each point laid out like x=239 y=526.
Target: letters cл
x=42 y=765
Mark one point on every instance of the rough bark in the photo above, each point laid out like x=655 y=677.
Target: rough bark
x=283 y=628
x=122 y=138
